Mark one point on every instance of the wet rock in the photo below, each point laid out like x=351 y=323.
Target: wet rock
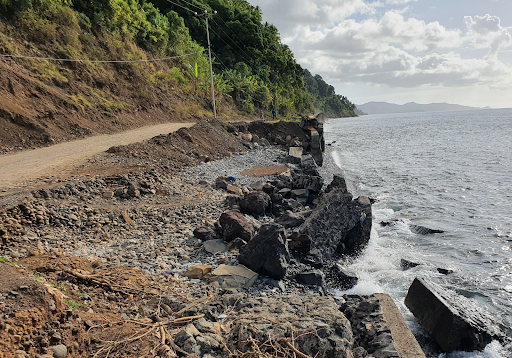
x=233 y=276
x=339 y=225
x=255 y=203
x=443 y=271
x=267 y=253
x=405 y=264
x=452 y=320
x=234 y=224
x=422 y=230
x=290 y=219
x=338 y=278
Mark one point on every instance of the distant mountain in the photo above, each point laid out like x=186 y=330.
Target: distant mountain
x=388 y=108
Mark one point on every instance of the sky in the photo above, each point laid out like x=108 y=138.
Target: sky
x=399 y=51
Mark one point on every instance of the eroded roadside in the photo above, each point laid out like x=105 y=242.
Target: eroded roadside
x=118 y=267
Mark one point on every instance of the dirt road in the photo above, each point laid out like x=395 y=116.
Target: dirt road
x=17 y=169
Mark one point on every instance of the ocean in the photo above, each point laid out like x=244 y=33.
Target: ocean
x=449 y=171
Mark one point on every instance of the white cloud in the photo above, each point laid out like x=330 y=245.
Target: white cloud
x=381 y=43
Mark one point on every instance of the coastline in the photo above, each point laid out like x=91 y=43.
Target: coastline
x=155 y=237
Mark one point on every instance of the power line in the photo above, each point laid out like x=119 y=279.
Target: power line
x=183 y=7
x=99 y=61
x=222 y=63
x=234 y=33
x=245 y=53
x=230 y=46
x=200 y=8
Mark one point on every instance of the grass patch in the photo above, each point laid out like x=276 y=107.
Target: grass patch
x=79 y=102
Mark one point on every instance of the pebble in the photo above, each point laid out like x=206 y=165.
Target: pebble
x=59 y=351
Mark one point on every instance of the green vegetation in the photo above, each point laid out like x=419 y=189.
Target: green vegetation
x=253 y=69
x=325 y=98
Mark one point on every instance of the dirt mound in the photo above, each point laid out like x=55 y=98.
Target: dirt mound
x=203 y=142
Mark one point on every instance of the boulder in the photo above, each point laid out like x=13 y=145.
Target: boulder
x=285 y=193
x=312 y=278
x=301 y=195
x=339 y=225
x=205 y=233
x=291 y=219
x=405 y=264
x=255 y=203
x=308 y=166
x=337 y=278
x=267 y=253
x=309 y=182
x=255 y=138
x=295 y=155
x=235 y=224
x=233 y=276
x=198 y=271
x=282 y=318
x=265 y=142
x=298 y=242
x=338 y=182
x=452 y=320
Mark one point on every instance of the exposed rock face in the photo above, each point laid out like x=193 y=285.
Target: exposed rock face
x=267 y=253
x=255 y=203
x=234 y=224
x=339 y=224
x=450 y=319
x=275 y=316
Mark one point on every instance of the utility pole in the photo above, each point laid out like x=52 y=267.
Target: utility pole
x=211 y=69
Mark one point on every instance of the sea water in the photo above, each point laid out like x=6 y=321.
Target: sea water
x=449 y=171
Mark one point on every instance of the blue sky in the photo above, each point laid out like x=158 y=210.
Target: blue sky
x=403 y=50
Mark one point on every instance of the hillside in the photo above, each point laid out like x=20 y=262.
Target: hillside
x=411 y=107
x=72 y=68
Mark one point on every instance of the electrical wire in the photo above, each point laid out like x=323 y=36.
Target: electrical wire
x=230 y=45
x=234 y=33
x=229 y=37
x=197 y=6
x=98 y=61
x=183 y=7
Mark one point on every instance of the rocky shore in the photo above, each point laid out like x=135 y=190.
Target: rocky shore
x=199 y=256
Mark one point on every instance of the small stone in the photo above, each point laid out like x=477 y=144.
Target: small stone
x=59 y=351
x=214 y=246
x=108 y=194
x=198 y=271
